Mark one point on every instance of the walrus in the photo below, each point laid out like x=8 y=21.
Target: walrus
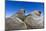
x=14 y=23
x=34 y=20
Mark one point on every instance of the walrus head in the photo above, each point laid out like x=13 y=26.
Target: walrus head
x=38 y=13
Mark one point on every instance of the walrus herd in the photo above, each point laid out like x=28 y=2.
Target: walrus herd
x=21 y=22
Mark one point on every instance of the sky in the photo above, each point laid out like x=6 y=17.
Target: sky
x=12 y=7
